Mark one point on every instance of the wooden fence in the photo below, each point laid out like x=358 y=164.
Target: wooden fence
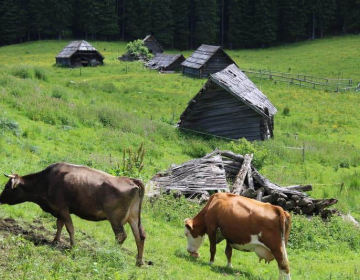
x=336 y=85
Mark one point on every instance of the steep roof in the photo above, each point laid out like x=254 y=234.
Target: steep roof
x=163 y=60
x=233 y=80
x=75 y=46
x=150 y=38
x=201 y=56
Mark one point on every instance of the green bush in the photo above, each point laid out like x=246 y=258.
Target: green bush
x=9 y=125
x=244 y=146
x=138 y=49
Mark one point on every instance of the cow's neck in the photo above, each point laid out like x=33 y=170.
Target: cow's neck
x=199 y=225
x=33 y=188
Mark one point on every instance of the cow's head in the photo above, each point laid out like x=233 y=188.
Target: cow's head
x=12 y=192
x=194 y=239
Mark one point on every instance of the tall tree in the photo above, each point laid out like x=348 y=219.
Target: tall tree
x=293 y=20
x=161 y=21
x=206 y=22
x=13 y=21
x=181 y=25
x=240 y=23
x=265 y=21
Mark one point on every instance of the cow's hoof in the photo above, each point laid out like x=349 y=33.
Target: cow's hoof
x=229 y=265
x=139 y=263
x=211 y=263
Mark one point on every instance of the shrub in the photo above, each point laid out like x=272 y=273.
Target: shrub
x=132 y=163
x=243 y=147
x=138 y=49
x=286 y=111
x=9 y=125
x=40 y=74
x=21 y=72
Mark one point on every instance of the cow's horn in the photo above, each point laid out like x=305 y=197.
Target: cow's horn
x=9 y=176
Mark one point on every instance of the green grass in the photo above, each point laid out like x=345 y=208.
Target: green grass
x=50 y=114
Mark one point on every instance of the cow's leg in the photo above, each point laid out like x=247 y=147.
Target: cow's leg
x=283 y=263
x=117 y=223
x=69 y=226
x=139 y=235
x=212 y=239
x=59 y=225
x=228 y=253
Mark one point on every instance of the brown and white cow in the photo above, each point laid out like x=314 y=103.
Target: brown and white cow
x=63 y=189
x=246 y=225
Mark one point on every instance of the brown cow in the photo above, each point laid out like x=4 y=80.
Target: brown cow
x=63 y=189
x=246 y=224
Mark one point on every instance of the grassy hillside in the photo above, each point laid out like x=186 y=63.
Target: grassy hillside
x=90 y=116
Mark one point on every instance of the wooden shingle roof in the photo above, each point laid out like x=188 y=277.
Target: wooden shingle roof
x=150 y=38
x=163 y=60
x=75 y=46
x=201 y=56
x=233 y=80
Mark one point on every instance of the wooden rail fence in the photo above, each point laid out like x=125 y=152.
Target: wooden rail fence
x=337 y=85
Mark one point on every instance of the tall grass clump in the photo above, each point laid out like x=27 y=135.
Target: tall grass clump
x=40 y=74
x=22 y=72
x=9 y=125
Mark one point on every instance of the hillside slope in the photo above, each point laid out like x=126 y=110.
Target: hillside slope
x=89 y=116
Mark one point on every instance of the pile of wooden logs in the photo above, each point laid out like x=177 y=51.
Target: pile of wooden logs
x=250 y=183
x=209 y=174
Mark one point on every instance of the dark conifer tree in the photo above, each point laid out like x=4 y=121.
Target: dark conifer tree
x=240 y=23
x=293 y=20
x=161 y=21
x=181 y=26
x=206 y=22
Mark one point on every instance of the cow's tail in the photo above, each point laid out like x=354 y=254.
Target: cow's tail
x=141 y=186
x=285 y=226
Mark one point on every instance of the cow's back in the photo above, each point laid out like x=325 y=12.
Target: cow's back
x=239 y=218
x=89 y=193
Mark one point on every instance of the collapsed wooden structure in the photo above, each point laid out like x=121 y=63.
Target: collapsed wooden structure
x=166 y=62
x=206 y=60
x=204 y=176
x=153 y=46
x=230 y=105
x=79 y=53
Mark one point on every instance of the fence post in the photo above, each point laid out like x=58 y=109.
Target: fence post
x=303 y=152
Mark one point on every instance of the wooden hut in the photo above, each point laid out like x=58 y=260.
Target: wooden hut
x=166 y=62
x=79 y=53
x=231 y=106
x=153 y=46
x=206 y=60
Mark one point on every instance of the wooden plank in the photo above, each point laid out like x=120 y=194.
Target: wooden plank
x=238 y=185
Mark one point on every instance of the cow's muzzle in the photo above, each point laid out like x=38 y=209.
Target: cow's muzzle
x=194 y=254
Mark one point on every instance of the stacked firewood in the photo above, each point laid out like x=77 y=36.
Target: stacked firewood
x=199 y=178
x=250 y=183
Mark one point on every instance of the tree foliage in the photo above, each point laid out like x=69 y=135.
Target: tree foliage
x=179 y=24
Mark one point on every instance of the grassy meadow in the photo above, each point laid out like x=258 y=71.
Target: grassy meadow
x=90 y=115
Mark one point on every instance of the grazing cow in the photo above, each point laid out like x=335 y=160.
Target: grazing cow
x=63 y=189
x=246 y=225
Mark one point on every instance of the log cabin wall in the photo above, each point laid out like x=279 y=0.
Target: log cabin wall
x=216 y=63
x=218 y=112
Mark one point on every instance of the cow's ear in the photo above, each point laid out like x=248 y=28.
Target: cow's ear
x=15 y=181
x=189 y=224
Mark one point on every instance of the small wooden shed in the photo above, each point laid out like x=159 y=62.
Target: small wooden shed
x=166 y=62
x=231 y=106
x=153 y=46
x=206 y=60
x=79 y=53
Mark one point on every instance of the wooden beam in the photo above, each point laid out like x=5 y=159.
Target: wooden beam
x=238 y=186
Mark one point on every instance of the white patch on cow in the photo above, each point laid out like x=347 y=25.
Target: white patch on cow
x=193 y=243
x=256 y=246
x=284 y=275
x=229 y=265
